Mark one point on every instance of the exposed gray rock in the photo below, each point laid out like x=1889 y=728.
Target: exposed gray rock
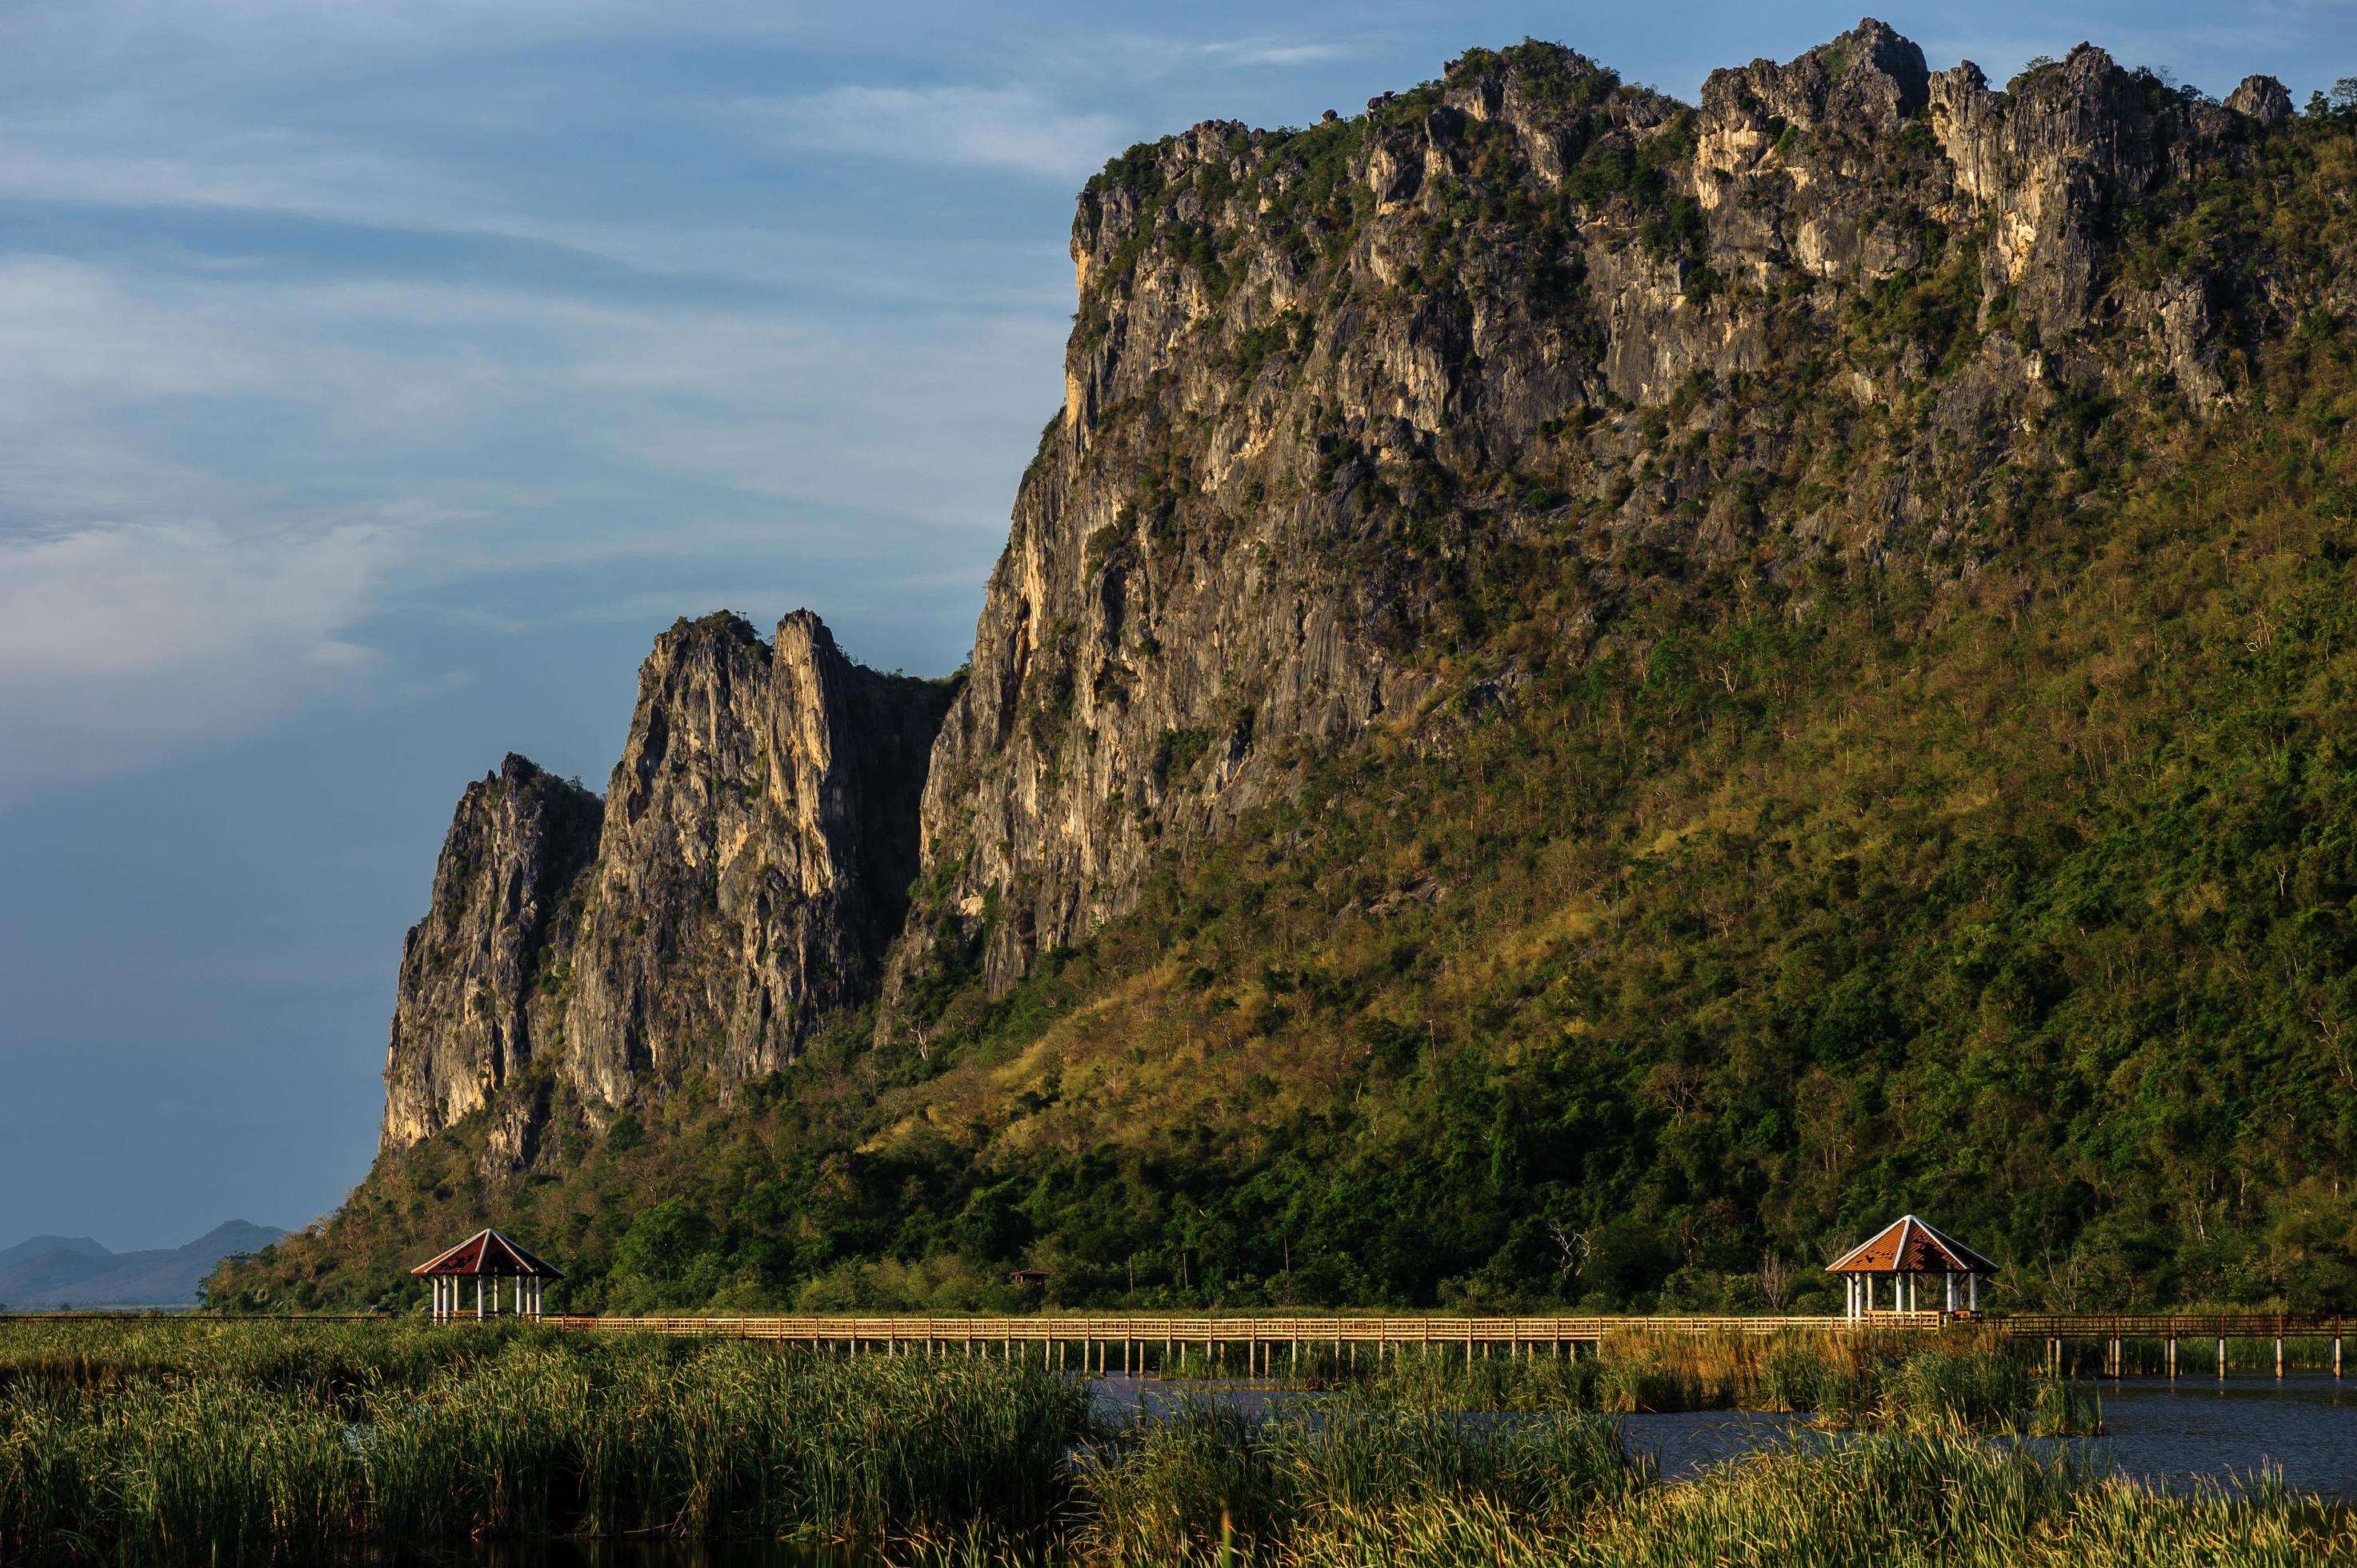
x=470 y=1001
x=2262 y=98
x=759 y=840
x=751 y=862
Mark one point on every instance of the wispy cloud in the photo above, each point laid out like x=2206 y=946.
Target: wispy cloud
x=219 y=476
x=966 y=127
x=1267 y=51
x=120 y=643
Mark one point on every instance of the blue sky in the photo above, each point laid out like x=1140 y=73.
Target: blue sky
x=377 y=377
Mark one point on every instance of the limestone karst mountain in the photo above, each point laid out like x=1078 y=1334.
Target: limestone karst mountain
x=1565 y=657
x=738 y=883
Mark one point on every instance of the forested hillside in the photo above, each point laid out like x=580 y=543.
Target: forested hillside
x=1586 y=692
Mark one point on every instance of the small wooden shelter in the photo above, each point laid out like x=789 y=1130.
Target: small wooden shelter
x=486 y=1255
x=1907 y=1251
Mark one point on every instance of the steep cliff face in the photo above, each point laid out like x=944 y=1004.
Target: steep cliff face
x=1324 y=384
x=759 y=840
x=473 y=996
x=739 y=884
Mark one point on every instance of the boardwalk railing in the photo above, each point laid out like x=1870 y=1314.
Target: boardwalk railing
x=1239 y=1330
x=1139 y=1337
x=1261 y=1338
x=1136 y=1339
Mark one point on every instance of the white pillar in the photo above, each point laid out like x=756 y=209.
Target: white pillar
x=1973 y=1284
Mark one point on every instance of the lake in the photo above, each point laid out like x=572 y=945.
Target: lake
x=2171 y=1433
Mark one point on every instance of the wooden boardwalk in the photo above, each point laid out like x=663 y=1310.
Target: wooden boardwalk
x=1255 y=1343
x=1141 y=1343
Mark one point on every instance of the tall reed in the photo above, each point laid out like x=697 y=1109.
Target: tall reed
x=1901 y=1381
x=526 y=1435
x=1204 y=1478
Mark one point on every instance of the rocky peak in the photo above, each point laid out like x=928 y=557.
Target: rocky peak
x=2047 y=158
x=1868 y=81
x=760 y=834
x=471 y=999
x=750 y=863
x=2262 y=98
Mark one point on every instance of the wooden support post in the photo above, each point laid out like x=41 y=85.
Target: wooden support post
x=2336 y=1352
x=2279 y=1355
x=2172 y=1357
x=2222 y=1358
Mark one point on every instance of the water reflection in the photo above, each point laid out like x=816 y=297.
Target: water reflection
x=2169 y=1433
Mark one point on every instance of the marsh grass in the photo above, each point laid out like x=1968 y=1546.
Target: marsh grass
x=221 y=1443
x=1883 y=1501
x=1205 y=1478
x=119 y=1445
x=1962 y=1381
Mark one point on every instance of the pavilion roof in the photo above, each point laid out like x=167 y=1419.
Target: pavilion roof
x=1908 y=1246
x=487 y=1252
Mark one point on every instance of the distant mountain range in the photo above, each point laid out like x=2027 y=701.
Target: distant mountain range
x=74 y=1271
x=40 y=1246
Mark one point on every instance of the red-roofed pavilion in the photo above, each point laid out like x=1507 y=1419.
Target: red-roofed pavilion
x=486 y=1255
x=1907 y=1250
